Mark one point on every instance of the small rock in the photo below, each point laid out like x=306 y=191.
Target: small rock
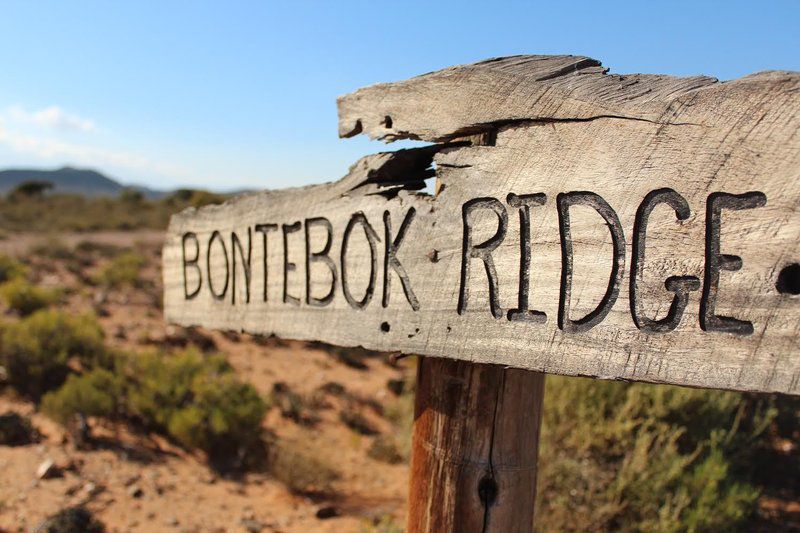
x=135 y=491
x=329 y=511
x=100 y=297
x=48 y=469
x=172 y=521
x=252 y=525
x=91 y=489
x=131 y=480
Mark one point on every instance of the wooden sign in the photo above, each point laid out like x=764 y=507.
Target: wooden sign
x=636 y=227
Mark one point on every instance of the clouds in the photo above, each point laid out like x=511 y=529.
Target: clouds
x=51 y=118
x=53 y=136
x=47 y=148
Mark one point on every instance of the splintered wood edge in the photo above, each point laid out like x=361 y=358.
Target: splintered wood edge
x=480 y=97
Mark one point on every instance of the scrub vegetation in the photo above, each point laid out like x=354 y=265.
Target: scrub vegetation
x=21 y=210
x=77 y=345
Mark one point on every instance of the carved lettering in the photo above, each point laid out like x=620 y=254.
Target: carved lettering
x=594 y=317
x=235 y=243
x=217 y=236
x=372 y=239
x=390 y=259
x=264 y=229
x=523 y=203
x=288 y=266
x=680 y=285
x=715 y=261
x=482 y=251
x=319 y=257
x=189 y=295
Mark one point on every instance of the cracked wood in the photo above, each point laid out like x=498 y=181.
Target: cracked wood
x=475 y=447
x=636 y=227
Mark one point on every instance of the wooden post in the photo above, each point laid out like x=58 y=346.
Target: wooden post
x=475 y=446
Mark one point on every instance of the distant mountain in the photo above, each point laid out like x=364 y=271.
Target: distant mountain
x=72 y=181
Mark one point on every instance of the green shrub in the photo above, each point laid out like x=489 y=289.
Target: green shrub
x=640 y=457
x=122 y=270
x=131 y=197
x=301 y=471
x=96 y=393
x=26 y=298
x=10 y=268
x=196 y=400
x=37 y=349
x=30 y=189
x=225 y=414
x=73 y=212
x=194 y=198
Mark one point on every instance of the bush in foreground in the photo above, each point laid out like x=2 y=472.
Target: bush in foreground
x=197 y=400
x=640 y=457
x=96 y=393
x=36 y=351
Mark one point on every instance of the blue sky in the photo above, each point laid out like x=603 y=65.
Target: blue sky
x=243 y=94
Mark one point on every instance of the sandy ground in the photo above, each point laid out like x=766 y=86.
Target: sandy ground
x=142 y=482
x=135 y=482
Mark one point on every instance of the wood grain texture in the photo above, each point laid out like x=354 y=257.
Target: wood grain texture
x=474 y=448
x=531 y=125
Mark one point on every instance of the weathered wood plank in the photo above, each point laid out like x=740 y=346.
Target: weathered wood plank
x=705 y=170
